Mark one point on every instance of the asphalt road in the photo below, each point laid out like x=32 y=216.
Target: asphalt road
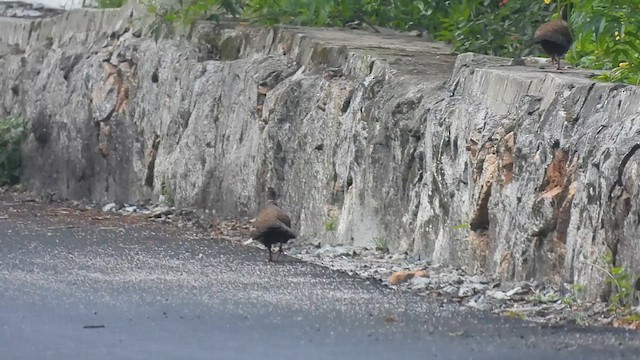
x=78 y=285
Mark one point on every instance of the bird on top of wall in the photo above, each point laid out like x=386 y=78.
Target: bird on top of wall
x=555 y=37
x=272 y=225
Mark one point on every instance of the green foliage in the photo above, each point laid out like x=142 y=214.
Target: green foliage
x=482 y=26
x=632 y=317
x=189 y=11
x=546 y=297
x=576 y=291
x=399 y=14
x=515 y=314
x=302 y=12
x=463 y=226
x=107 y=4
x=571 y=298
x=331 y=225
x=380 y=244
x=606 y=32
x=167 y=194
x=622 y=284
x=607 y=36
x=492 y=27
x=12 y=133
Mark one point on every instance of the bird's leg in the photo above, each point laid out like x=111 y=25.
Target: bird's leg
x=558 y=63
x=553 y=60
x=270 y=252
x=280 y=251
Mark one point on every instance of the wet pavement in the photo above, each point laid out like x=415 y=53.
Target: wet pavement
x=84 y=285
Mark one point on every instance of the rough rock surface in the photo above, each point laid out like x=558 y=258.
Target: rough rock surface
x=19 y=9
x=368 y=139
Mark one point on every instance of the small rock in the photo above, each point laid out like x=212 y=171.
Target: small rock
x=420 y=282
x=450 y=289
x=479 y=279
x=515 y=291
x=109 y=207
x=500 y=295
x=130 y=209
x=479 y=304
x=479 y=287
x=161 y=211
x=450 y=278
x=466 y=291
x=397 y=257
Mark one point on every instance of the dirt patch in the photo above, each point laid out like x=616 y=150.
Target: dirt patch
x=19 y=207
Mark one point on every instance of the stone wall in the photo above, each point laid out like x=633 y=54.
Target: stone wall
x=366 y=138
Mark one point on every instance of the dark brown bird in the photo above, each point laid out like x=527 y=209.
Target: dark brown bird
x=555 y=38
x=272 y=225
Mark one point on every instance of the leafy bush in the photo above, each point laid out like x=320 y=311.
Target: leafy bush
x=11 y=136
x=620 y=279
x=607 y=37
x=494 y=28
x=399 y=14
x=331 y=224
x=107 y=4
x=606 y=32
x=188 y=11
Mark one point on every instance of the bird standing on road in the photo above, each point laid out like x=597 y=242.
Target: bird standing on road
x=272 y=225
x=555 y=37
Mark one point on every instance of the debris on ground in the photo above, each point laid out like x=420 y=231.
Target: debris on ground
x=163 y=213
x=399 y=277
x=529 y=300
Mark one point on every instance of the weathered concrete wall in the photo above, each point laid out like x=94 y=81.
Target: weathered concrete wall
x=404 y=146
